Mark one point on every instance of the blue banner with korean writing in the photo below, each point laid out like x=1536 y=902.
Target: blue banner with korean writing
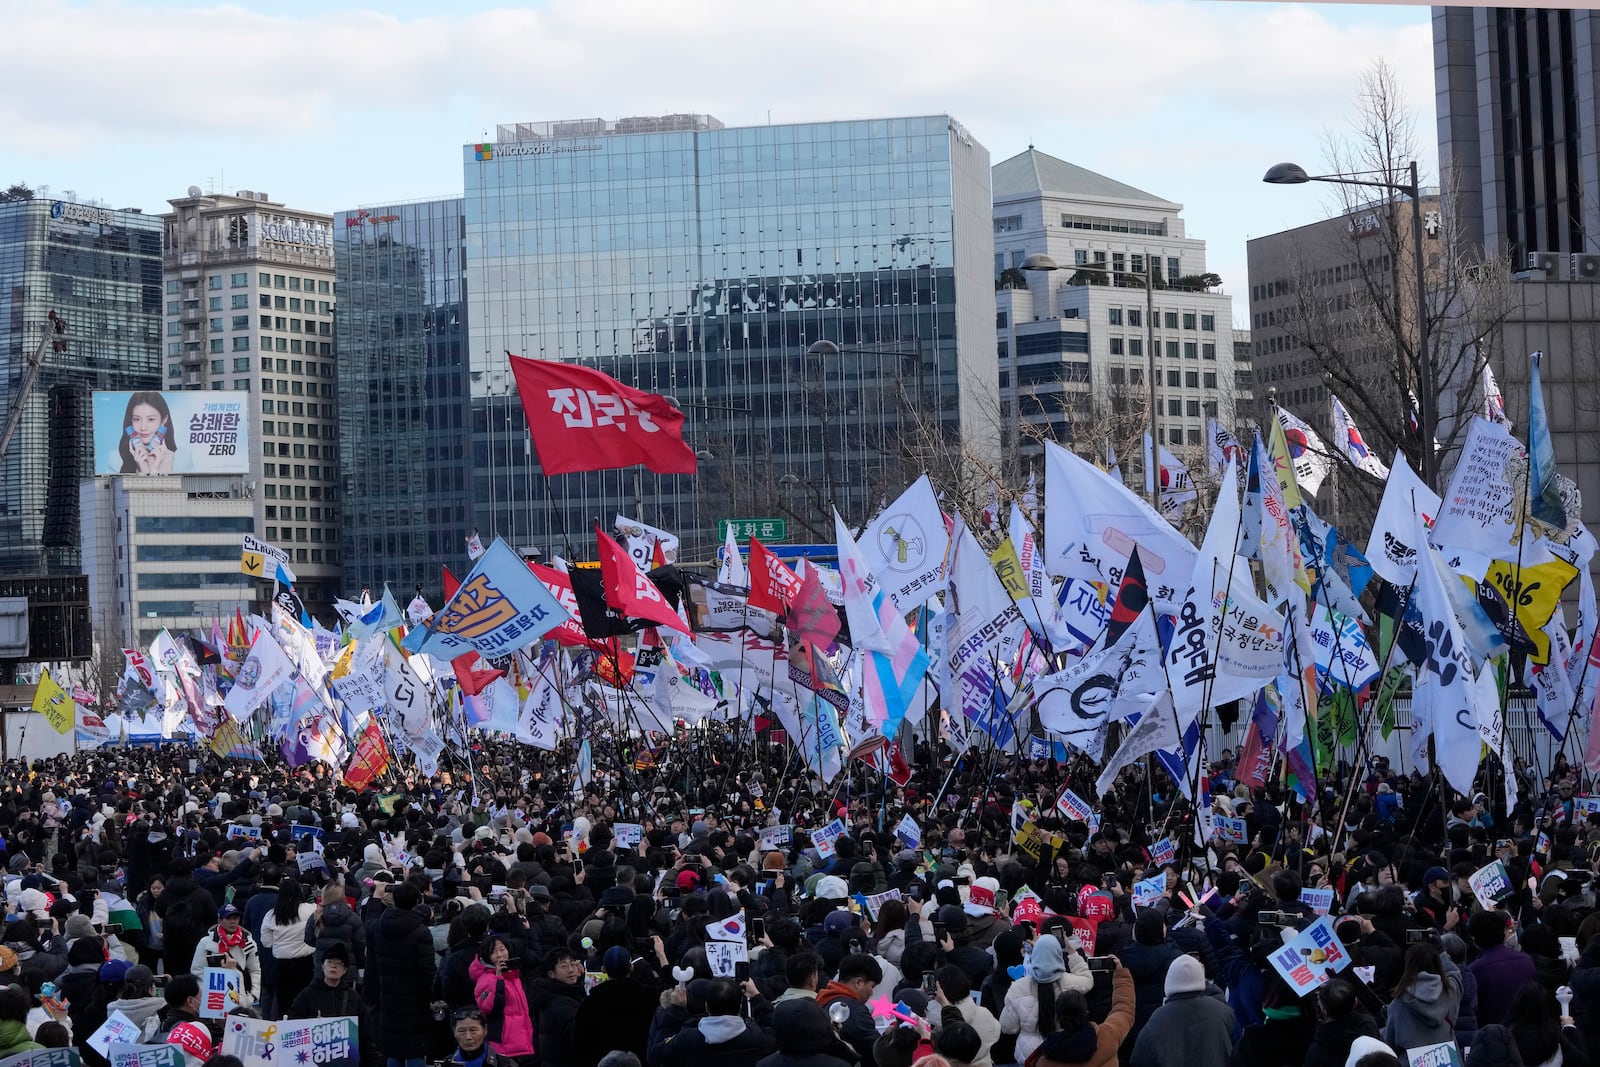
x=501 y=607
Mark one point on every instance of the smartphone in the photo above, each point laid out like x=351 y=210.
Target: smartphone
x=215 y=959
x=113 y=928
x=1416 y=937
x=1002 y=900
x=1101 y=963
x=463 y=891
x=928 y=983
x=1029 y=928
x=1271 y=918
x=758 y=930
x=741 y=971
x=938 y=933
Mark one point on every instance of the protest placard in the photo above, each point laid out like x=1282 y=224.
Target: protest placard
x=1311 y=958
x=247 y=833
x=1163 y=851
x=122 y=1055
x=1072 y=806
x=1149 y=890
x=292 y=1042
x=219 y=991
x=627 y=834
x=823 y=837
x=908 y=832
x=310 y=861
x=1319 y=900
x=1088 y=932
x=877 y=900
x=1232 y=830
x=117 y=1028
x=775 y=838
x=1491 y=884
x=1443 y=1054
x=45 y=1057
x=723 y=955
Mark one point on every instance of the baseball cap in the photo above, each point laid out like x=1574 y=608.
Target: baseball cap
x=227 y=911
x=1435 y=874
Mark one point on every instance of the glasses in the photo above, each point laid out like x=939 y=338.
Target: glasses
x=461 y=1014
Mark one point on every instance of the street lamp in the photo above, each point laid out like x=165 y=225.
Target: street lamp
x=1041 y=262
x=1427 y=388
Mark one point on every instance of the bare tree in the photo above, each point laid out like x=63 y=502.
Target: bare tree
x=1359 y=320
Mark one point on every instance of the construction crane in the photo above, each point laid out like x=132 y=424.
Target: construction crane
x=54 y=339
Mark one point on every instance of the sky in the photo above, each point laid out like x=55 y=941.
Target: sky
x=334 y=104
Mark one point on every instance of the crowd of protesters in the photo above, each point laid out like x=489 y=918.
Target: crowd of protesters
x=489 y=916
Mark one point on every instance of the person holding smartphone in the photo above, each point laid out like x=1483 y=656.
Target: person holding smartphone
x=228 y=944
x=1029 y=1010
x=499 y=993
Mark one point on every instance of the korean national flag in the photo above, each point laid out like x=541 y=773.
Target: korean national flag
x=730 y=929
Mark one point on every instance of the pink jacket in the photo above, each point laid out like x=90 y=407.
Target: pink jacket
x=504 y=1004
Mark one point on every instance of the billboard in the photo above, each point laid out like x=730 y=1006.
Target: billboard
x=186 y=432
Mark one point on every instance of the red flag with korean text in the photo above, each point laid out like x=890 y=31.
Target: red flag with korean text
x=628 y=590
x=371 y=758
x=772 y=584
x=569 y=633
x=583 y=420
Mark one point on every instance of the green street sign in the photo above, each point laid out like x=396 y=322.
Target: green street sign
x=769 y=530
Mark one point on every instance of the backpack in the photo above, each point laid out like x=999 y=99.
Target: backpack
x=179 y=924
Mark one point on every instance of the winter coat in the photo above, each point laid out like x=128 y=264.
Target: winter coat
x=555 y=1007
x=615 y=1016
x=399 y=980
x=1189 y=1030
x=339 y=925
x=1094 y=1045
x=715 y=1041
x=1330 y=1044
x=198 y=908
x=1467 y=1014
x=504 y=1003
x=1425 y=1014
x=1147 y=966
x=1020 y=1013
x=1277 y=1042
x=14 y=1039
x=246 y=956
x=859 y=1028
x=86 y=997
x=144 y=1012
x=1501 y=972
x=804 y=1038
x=982 y=931
x=39 y=967
x=984 y=1022
x=1494 y=1047
x=287 y=941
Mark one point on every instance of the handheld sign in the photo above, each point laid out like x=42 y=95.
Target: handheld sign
x=1311 y=958
x=823 y=837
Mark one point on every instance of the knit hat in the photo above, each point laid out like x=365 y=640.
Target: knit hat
x=1363 y=1047
x=617 y=962
x=617 y=896
x=832 y=887
x=1185 y=975
x=688 y=881
x=1149 y=927
x=1045 y=965
x=981 y=897
x=337 y=951
x=8 y=960
x=79 y=925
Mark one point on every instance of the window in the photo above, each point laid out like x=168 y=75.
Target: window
x=322 y=286
x=278 y=322
x=172 y=288
x=1119 y=376
x=1208 y=323
x=1136 y=346
x=1116 y=316
x=187 y=524
x=174 y=329
x=1210 y=379
x=1192 y=408
x=215 y=325
x=295 y=345
x=1135 y=375
x=214 y=281
x=1191 y=379
x=278 y=281
x=175 y=371
x=1172 y=350
x=1116 y=346
x=216 y=344
x=266 y=409
x=1100 y=260
x=216 y=366
x=1174 y=408
x=1174 y=270
x=1135 y=316
x=1173 y=378
x=241 y=364
x=1118 y=262
x=266 y=385
x=1176 y=437
x=1000 y=320
x=1193 y=436
x=1191 y=350
x=240 y=280
x=1170 y=319
x=1009 y=224
x=265 y=280
x=1208 y=350
x=240 y=301
x=241 y=322
x=214 y=304
x=1136 y=260
x=1113 y=225
x=294 y=284
x=1188 y=320
x=266 y=301
x=1080 y=258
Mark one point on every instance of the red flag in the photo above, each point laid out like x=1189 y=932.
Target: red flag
x=627 y=588
x=472 y=681
x=615 y=665
x=583 y=420
x=569 y=633
x=451 y=582
x=899 y=771
x=772 y=584
x=370 y=760
x=811 y=614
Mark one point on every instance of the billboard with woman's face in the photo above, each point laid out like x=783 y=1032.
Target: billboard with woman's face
x=188 y=432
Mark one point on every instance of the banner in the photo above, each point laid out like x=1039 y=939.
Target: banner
x=500 y=607
x=51 y=701
x=1491 y=884
x=125 y=1055
x=1311 y=958
x=1481 y=508
x=185 y=432
x=292 y=1042
x=823 y=837
x=775 y=838
x=1392 y=547
x=45 y=1057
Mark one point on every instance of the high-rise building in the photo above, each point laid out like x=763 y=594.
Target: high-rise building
x=1073 y=353
x=401 y=345
x=100 y=271
x=703 y=263
x=1519 y=155
x=249 y=307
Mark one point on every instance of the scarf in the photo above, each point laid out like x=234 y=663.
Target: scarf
x=226 y=942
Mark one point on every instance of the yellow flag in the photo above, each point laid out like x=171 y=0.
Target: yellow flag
x=1532 y=595
x=1009 y=568
x=1282 y=462
x=51 y=701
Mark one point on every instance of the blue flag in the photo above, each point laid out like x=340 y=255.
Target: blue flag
x=1543 y=489
x=501 y=607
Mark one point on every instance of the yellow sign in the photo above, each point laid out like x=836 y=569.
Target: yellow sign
x=1009 y=568
x=1532 y=594
x=253 y=564
x=51 y=701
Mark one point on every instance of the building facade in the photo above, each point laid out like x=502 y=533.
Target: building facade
x=163 y=552
x=401 y=345
x=1073 y=344
x=1518 y=94
x=702 y=263
x=250 y=306
x=100 y=271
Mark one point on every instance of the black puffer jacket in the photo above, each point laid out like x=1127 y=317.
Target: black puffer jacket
x=1147 y=966
x=400 y=981
x=805 y=1037
x=338 y=925
x=554 y=1006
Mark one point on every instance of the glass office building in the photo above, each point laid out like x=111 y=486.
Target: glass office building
x=702 y=262
x=100 y=270
x=400 y=337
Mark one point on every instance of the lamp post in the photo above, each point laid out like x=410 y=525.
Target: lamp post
x=1041 y=262
x=1427 y=388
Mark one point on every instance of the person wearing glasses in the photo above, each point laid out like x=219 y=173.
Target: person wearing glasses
x=472 y=1042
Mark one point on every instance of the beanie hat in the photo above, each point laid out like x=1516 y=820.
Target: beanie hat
x=1185 y=975
x=1363 y=1047
x=1149 y=928
x=8 y=960
x=981 y=897
x=617 y=962
x=79 y=925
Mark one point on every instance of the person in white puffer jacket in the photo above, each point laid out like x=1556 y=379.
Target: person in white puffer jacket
x=1049 y=971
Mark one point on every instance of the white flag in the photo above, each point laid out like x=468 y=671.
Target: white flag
x=1391 y=549
x=540 y=718
x=1266 y=531
x=1108 y=684
x=906 y=544
x=1157 y=728
x=731 y=570
x=1307 y=451
x=264 y=669
x=1092 y=522
x=1177 y=484
x=1494 y=403
x=1348 y=440
x=1227 y=642
x=985 y=624
x=640 y=539
x=1039 y=605
x=1480 y=507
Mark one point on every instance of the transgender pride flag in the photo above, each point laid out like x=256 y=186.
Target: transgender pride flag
x=893 y=662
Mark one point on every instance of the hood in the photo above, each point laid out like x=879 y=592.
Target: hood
x=1045 y=964
x=373 y=856
x=1427 y=988
x=337 y=911
x=720 y=1029
x=139 y=1009
x=800 y=1027
x=1077 y=1046
x=13 y=1033
x=834 y=991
